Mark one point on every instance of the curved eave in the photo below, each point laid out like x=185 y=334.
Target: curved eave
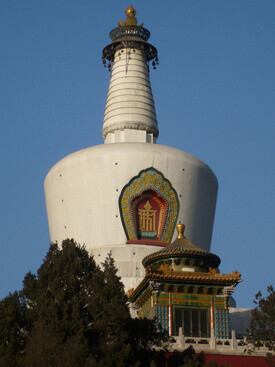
x=205 y=278
x=190 y=278
x=136 y=293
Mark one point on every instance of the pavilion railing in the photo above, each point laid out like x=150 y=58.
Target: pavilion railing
x=230 y=346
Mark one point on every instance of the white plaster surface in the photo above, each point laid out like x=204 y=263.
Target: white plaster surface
x=130 y=103
x=82 y=192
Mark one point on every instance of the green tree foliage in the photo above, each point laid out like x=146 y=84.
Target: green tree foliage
x=112 y=317
x=62 y=308
x=72 y=313
x=262 y=323
x=12 y=329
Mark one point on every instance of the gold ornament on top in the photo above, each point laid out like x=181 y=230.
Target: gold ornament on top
x=130 y=19
x=180 y=229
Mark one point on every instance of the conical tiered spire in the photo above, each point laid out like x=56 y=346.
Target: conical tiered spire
x=130 y=110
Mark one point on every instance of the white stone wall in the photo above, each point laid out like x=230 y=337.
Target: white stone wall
x=82 y=192
x=239 y=319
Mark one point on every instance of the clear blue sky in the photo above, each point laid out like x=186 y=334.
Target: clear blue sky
x=214 y=94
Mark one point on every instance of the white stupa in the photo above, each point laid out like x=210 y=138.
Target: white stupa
x=126 y=195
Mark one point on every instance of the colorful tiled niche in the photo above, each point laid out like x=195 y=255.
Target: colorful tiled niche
x=152 y=182
x=222 y=323
x=162 y=315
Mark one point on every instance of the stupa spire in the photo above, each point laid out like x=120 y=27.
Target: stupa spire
x=130 y=110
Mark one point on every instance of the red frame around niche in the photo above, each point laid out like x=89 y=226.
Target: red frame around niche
x=159 y=207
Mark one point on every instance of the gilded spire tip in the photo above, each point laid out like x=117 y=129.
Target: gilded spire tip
x=180 y=229
x=130 y=19
x=130 y=10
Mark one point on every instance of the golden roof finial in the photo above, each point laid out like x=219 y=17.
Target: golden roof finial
x=130 y=11
x=180 y=228
x=130 y=19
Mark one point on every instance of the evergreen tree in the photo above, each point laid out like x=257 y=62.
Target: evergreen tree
x=62 y=305
x=46 y=348
x=112 y=319
x=13 y=328
x=262 y=323
x=73 y=314
x=144 y=336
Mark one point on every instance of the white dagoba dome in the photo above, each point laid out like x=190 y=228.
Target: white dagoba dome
x=126 y=195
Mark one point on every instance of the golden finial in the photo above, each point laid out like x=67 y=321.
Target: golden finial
x=130 y=11
x=180 y=228
x=130 y=19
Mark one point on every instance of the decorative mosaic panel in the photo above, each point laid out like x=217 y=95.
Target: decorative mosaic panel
x=222 y=323
x=162 y=315
x=149 y=207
